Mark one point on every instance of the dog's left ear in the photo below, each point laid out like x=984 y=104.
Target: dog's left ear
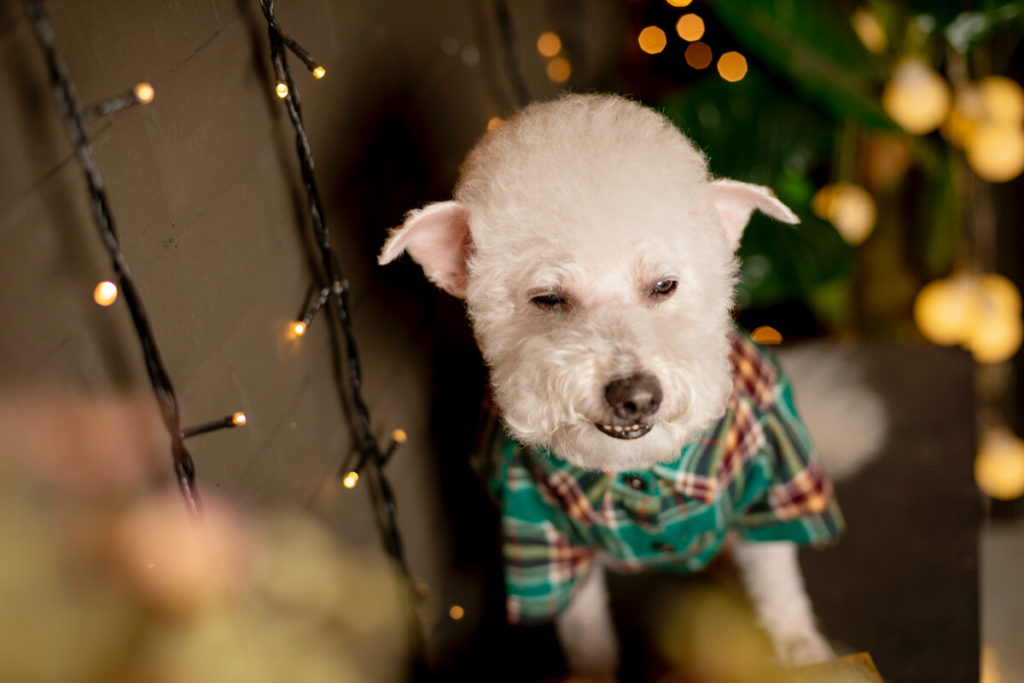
x=735 y=201
x=437 y=238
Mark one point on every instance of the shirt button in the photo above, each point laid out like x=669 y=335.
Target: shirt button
x=637 y=483
x=662 y=547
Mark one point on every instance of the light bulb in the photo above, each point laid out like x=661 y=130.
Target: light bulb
x=853 y=212
x=144 y=93
x=559 y=69
x=238 y=419
x=105 y=293
x=549 y=44
x=399 y=436
x=299 y=328
x=456 y=612
x=319 y=72
x=850 y=208
x=350 y=479
x=999 y=465
x=281 y=89
x=944 y=310
x=995 y=151
x=732 y=66
x=869 y=30
x=690 y=27
x=652 y=40
x=1002 y=99
x=917 y=97
x=494 y=122
x=995 y=336
x=698 y=55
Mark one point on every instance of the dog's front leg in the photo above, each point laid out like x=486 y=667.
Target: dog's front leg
x=585 y=629
x=771 y=575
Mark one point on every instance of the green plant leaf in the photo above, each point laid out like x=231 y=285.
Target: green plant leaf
x=813 y=46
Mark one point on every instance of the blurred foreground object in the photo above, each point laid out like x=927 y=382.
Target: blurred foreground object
x=128 y=585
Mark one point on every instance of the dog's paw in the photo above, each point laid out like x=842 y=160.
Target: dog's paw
x=801 y=647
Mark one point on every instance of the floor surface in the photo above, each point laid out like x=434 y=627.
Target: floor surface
x=1002 y=601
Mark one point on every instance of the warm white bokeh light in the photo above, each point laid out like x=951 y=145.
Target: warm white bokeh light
x=999 y=465
x=917 y=97
x=105 y=293
x=549 y=44
x=144 y=93
x=652 y=40
x=732 y=66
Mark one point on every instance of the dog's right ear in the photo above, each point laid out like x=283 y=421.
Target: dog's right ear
x=437 y=238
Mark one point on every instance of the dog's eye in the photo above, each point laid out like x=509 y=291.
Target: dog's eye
x=548 y=300
x=663 y=288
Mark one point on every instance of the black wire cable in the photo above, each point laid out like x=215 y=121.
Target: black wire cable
x=72 y=114
x=337 y=286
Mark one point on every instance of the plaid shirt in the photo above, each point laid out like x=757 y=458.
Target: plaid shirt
x=752 y=471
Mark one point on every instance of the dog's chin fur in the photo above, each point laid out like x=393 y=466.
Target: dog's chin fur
x=553 y=401
x=584 y=446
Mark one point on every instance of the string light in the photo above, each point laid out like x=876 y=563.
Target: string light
x=1002 y=99
x=698 y=55
x=144 y=93
x=298 y=328
x=456 y=612
x=319 y=72
x=494 y=122
x=850 y=208
x=732 y=66
x=281 y=89
x=869 y=30
x=996 y=151
x=916 y=97
x=999 y=465
x=983 y=314
x=336 y=290
x=105 y=293
x=690 y=27
x=549 y=44
x=237 y=419
x=679 y=3
x=944 y=310
x=75 y=117
x=559 y=69
x=652 y=40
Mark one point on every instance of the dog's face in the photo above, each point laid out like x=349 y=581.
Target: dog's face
x=595 y=255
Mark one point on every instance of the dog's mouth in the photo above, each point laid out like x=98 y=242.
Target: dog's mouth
x=634 y=431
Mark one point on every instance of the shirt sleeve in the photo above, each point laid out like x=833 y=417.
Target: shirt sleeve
x=542 y=570
x=788 y=496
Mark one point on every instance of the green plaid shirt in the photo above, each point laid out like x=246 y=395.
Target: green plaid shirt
x=752 y=471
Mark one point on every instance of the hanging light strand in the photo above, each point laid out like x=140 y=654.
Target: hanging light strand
x=369 y=452
x=74 y=118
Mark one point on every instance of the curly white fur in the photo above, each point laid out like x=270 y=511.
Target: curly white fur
x=596 y=198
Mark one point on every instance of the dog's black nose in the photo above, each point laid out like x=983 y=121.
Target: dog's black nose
x=635 y=396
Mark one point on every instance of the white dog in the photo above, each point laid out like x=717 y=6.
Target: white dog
x=596 y=258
